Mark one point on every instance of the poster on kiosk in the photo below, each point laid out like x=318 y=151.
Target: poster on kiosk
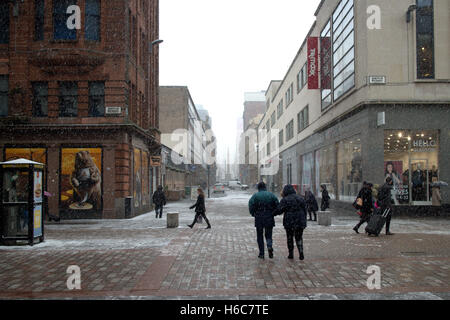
x=37 y=211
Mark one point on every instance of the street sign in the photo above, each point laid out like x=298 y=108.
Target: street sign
x=155 y=161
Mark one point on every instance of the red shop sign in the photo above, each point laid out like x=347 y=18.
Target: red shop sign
x=313 y=63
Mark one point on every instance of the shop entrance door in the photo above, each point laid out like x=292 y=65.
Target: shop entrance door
x=420 y=184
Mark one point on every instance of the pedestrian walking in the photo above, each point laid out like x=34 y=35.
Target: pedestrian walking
x=385 y=201
x=311 y=205
x=261 y=207
x=325 y=198
x=200 y=209
x=365 y=204
x=436 y=199
x=294 y=220
x=159 y=199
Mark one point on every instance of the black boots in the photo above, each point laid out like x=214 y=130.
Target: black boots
x=270 y=252
x=356 y=229
x=291 y=255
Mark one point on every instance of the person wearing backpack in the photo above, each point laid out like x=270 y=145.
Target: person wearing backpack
x=364 y=203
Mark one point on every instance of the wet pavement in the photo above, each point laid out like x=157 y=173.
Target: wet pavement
x=142 y=259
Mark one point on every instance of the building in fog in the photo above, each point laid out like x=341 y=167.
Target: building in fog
x=78 y=99
x=379 y=105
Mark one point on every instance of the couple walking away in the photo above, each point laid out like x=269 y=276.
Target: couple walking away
x=264 y=206
x=366 y=204
x=200 y=209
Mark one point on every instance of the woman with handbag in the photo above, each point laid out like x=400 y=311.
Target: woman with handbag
x=200 y=209
x=364 y=203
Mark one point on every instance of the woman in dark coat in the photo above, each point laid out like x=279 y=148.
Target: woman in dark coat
x=311 y=205
x=325 y=198
x=367 y=205
x=200 y=209
x=294 y=220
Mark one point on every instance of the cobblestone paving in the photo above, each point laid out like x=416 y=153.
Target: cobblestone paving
x=141 y=259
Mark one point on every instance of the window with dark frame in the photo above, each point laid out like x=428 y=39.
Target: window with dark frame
x=96 y=99
x=4 y=88
x=4 y=22
x=281 y=138
x=290 y=130
x=92 y=20
x=343 y=45
x=425 y=39
x=273 y=119
x=39 y=19
x=303 y=119
x=40 y=99
x=280 y=109
x=68 y=99
x=60 y=16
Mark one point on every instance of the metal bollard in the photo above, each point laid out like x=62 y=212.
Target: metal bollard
x=324 y=218
x=172 y=220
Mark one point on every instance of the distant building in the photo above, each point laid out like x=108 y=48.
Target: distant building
x=254 y=104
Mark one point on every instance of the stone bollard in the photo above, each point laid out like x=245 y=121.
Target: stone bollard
x=172 y=220
x=324 y=218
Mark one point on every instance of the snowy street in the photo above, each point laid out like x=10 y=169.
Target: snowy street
x=142 y=259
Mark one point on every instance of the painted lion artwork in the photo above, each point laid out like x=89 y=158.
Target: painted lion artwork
x=86 y=181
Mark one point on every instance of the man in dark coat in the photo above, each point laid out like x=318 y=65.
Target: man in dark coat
x=311 y=205
x=294 y=220
x=367 y=205
x=325 y=198
x=385 y=201
x=159 y=199
x=261 y=206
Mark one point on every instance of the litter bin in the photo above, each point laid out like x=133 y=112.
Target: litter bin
x=172 y=220
x=22 y=201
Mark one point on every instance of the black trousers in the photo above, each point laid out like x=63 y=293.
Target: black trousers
x=296 y=233
x=159 y=211
x=203 y=215
x=388 y=222
x=262 y=233
x=364 y=219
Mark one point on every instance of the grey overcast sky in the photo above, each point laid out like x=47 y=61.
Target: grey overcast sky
x=221 y=49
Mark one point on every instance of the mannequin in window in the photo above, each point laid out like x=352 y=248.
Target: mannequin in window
x=418 y=178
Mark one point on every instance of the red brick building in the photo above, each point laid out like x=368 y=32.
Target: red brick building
x=83 y=101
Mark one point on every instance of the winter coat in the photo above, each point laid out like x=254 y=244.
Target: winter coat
x=159 y=199
x=294 y=209
x=199 y=205
x=311 y=202
x=325 y=200
x=261 y=206
x=366 y=195
x=436 y=197
x=385 y=197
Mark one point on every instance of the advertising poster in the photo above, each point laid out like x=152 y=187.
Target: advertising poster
x=325 y=63
x=37 y=214
x=38 y=187
x=394 y=169
x=81 y=179
x=137 y=178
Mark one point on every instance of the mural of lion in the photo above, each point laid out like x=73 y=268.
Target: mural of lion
x=86 y=181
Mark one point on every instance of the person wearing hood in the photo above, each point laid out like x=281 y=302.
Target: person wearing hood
x=294 y=220
x=261 y=206
x=159 y=199
x=385 y=201
x=325 y=198
x=311 y=205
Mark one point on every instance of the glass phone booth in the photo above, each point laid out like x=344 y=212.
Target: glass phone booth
x=21 y=203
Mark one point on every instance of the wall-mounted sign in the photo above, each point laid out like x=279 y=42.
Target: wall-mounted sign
x=377 y=79
x=114 y=110
x=313 y=63
x=155 y=161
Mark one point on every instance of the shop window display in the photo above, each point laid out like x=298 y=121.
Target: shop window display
x=326 y=170
x=349 y=165
x=411 y=159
